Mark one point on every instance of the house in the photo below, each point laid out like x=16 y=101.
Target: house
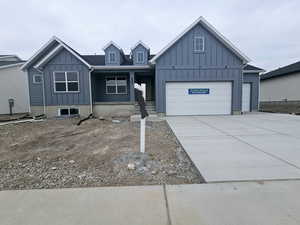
x=280 y=89
x=13 y=85
x=200 y=72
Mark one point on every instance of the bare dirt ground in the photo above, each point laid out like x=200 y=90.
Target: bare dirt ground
x=60 y=154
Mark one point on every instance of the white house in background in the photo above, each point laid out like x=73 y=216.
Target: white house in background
x=13 y=85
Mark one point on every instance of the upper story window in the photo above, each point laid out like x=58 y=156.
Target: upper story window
x=112 y=57
x=140 y=57
x=37 y=79
x=66 y=81
x=116 y=85
x=199 y=44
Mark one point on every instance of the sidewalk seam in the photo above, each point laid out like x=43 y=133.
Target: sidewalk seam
x=167 y=205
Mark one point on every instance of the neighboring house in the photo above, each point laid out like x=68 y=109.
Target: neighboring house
x=280 y=90
x=199 y=73
x=13 y=85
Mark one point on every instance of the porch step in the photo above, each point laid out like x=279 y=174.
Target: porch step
x=150 y=107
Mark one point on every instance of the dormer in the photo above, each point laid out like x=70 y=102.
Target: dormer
x=140 y=53
x=113 y=54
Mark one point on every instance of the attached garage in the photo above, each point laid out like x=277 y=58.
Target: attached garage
x=198 y=98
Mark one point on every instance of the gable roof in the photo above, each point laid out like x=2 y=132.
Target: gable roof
x=114 y=44
x=289 y=69
x=213 y=30
x=252 y=69
x=140 y=43
x=7 y=64
x=51 y=41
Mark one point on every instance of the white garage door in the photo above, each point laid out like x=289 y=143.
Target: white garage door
x=198 y=98
x=246 y=97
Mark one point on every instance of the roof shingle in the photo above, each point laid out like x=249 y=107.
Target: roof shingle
x=289 y=69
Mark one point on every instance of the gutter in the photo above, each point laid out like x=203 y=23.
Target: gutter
x=128 y=67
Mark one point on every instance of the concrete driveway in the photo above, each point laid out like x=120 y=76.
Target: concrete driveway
x=249 y=147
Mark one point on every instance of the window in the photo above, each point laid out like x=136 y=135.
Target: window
x=68 y=112
x=199 y=44
x=37 y=79
x=116 y=85
x=140 y=57
x=112 y=57
x=66 y=81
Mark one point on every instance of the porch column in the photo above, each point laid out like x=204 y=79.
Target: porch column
x=131 y=87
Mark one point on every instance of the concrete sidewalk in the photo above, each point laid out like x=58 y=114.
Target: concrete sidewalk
x=246 y=203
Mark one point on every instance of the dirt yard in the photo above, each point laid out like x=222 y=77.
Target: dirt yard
x=59 y=154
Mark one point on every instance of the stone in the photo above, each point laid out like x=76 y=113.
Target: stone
x=53 y=168
x=116 y=121
x=71 y=161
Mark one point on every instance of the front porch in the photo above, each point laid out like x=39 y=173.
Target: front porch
x=113 y=91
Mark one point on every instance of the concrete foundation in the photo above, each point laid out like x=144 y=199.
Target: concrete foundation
x=236 y=113
x=113 y=109
x=280 y=106
x=53 y=111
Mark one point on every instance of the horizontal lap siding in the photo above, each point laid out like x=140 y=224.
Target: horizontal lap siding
x=253 y=78
x=65 y=61
x=181 y=63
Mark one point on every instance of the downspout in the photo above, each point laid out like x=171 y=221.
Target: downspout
x=91 y=100
x=43 y=90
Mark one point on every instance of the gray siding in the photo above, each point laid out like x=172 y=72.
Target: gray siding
x=181 y=63
x=119 y=58
x=63 y=61
x=99 y=89
x=140 y=48
x=253 y=79
x=35 y=90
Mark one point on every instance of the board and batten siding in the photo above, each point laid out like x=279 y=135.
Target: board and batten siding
x=181 y=63
x=63 y=61
x=140 y=48
x=119 y=59
x=253 y=79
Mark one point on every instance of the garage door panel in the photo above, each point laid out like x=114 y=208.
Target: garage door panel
x=180 y=102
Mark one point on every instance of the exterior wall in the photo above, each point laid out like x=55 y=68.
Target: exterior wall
x=119 y=58
x=14 y=84
x=140 y=48
x=113 y=110
x=63 y=61
x=35 y=90
x=181 y=63
x=99 y=89
x=253 y=79
x=284 y=88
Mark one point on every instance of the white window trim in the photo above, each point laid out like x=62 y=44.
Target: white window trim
x=203 y=41
x=109 y=59
x=68 y=108
x=116 y=93
x=66 y=82
x=37 y=75
x=137 y=57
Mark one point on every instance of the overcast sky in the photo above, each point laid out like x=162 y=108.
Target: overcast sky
x=266 y=31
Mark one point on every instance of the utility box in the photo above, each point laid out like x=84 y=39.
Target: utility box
x=11 y=103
